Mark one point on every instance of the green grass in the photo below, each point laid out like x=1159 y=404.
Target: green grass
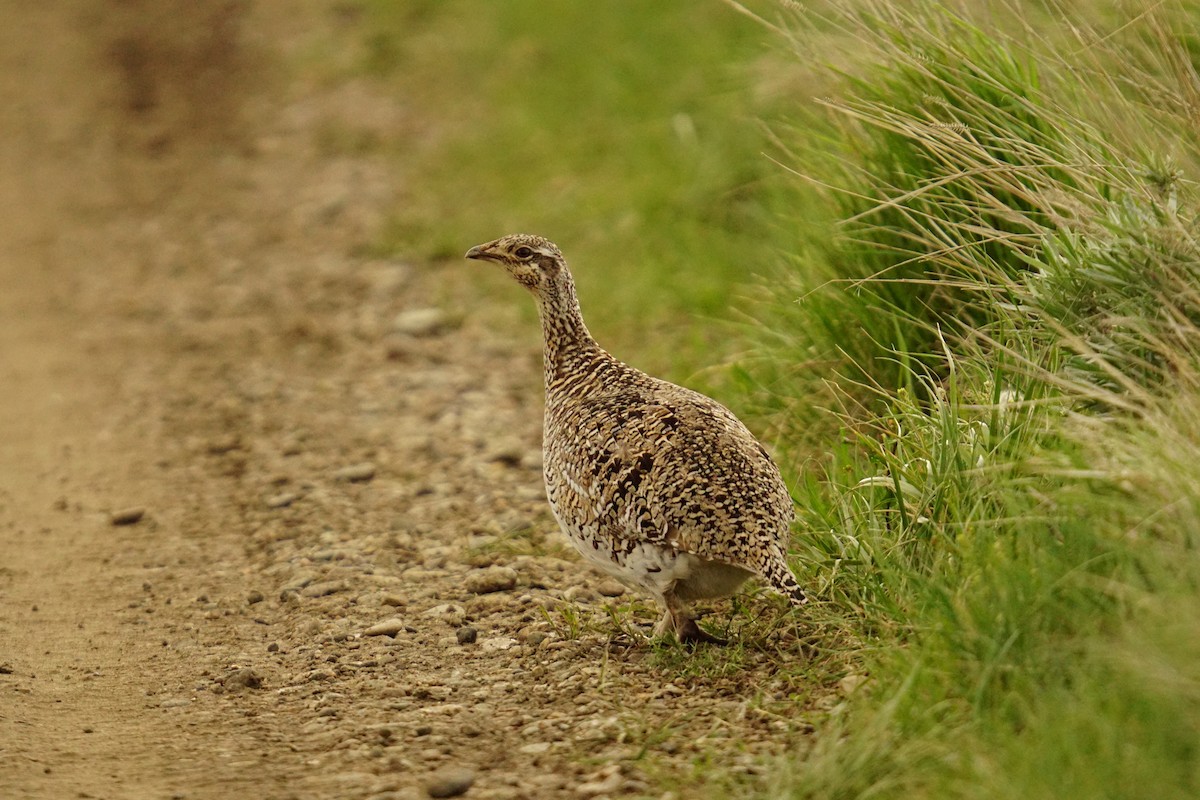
x=622 y=132
x=977 y=350
x=1008 y=326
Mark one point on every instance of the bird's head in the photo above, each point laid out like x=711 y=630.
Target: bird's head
x=535 y=262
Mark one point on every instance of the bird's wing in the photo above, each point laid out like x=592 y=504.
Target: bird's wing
x=678 y=470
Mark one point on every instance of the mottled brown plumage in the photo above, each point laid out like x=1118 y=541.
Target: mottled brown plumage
x=658 y=485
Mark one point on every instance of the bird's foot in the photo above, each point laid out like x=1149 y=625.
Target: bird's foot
x=691 y=633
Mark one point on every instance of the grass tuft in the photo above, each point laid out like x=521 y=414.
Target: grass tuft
x=1007 y=330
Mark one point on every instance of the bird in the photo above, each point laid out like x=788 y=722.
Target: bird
x=659 y=486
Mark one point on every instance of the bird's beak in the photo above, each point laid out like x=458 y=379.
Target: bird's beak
x=481 y=253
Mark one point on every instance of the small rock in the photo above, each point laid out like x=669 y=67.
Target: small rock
x=245 y=678
x=580 y=594
x=497 y=644
x=491 y=579
x=535 y=748
x=324 y=588
x=392 y=600
x=224 y=444
x=282 y=500
x=128 y=516
x=355 y=473
x=851 y=682
x=254 y=596
x=297 y=583
x=6 y=669
x=389 y=627
x=508 y=452
x=606 y=781
x=449 y=782
x=611 y=589
x=420 y=322
x=386 y=278
x=273 y=647
x=466 y=635
x=535 y=638
x=451 y=613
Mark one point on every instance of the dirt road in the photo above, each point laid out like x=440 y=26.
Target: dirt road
x=343 y=581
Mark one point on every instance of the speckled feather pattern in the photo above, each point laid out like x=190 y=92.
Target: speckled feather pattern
x=652 y=482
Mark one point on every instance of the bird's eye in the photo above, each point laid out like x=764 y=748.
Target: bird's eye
x=523 y=252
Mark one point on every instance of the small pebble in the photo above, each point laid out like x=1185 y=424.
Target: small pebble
x=282 y=500
x=449 y=782
x=324 y=588
x=497 y=643
x=491 y=579
x=467 y=635
x=245 y=678
x=224 y=444
x=389 y=627
x=254 y=596
x=604 y=782
x=451 y=613
x=355 y=473
x=419 y=322
x=851 y=682
x=611 y=589
x=128 y=516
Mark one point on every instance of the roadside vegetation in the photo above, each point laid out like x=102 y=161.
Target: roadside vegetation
x=1008 y=326
x=951 y=260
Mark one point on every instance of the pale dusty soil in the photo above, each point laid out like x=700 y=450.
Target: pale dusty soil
x=188 y=325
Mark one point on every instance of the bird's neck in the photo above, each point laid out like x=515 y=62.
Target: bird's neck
x=570 y=354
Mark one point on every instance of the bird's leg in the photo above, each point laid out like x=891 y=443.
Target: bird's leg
x=684 y=624
x=666 y=624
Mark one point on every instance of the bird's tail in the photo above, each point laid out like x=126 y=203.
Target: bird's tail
x=777 y=573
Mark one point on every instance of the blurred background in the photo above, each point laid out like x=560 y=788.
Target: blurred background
x=941 y=257
x=632 y=134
